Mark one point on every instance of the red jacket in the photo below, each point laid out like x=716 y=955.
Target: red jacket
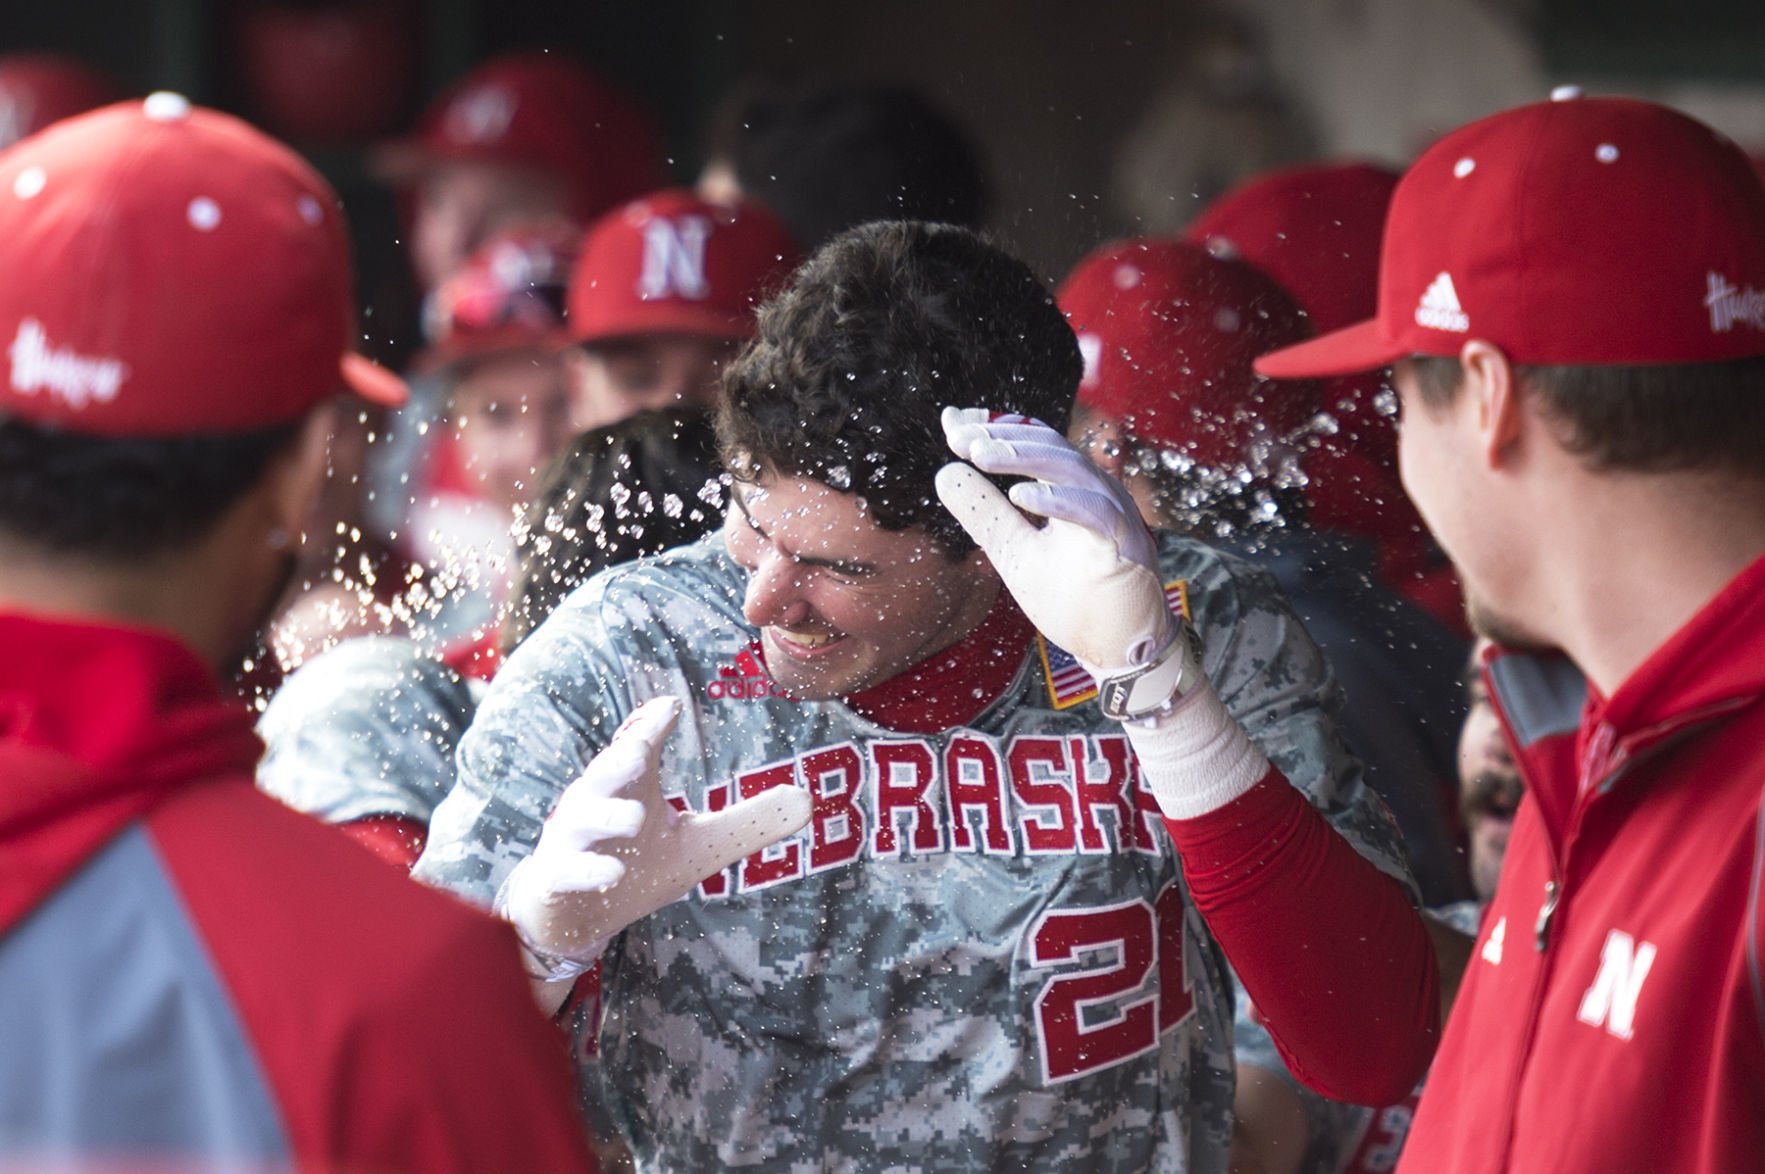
x=1612 y=1016
x=192 y=974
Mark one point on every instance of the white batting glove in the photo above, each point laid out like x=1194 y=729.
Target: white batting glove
x=1088 y=579
x=615 y=851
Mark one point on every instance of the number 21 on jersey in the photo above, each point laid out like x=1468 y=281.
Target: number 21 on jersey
x=1103 y=1015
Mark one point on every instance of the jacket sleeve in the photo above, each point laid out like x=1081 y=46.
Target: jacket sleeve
x=496 y=1090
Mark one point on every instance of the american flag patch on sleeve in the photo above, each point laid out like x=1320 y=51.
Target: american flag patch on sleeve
x=1068 y=682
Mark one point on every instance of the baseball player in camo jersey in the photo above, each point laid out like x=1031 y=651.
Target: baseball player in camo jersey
x=943 y=901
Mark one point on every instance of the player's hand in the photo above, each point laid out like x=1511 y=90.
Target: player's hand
x=1088 y=578
x=614 y=850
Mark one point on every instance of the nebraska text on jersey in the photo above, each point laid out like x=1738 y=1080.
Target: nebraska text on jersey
x=980 y=953
x=907 y=797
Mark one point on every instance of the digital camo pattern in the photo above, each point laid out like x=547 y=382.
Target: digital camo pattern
x=366 y=728
x=1022 y=984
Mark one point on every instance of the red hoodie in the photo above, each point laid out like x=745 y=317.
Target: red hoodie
x=1613 y=1015
x=191 y=972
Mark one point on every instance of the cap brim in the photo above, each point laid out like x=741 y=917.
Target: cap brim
x=372 y=382
x=1361 y=347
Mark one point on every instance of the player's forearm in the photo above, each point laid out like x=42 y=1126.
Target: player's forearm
x=1336 y=958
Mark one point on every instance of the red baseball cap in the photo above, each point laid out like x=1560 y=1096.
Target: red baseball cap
x=508 y=296
x=1315 y=228
x=1168 y=332
x=37 y=89
x=544 y=112
x=169 y=270
x=1580 y=231
x=673 y=263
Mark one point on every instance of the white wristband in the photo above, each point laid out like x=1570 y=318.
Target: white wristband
x=1158 y=684
x=1195 y=755
x=542 y=965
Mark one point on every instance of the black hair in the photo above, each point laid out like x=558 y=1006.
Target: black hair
x=826 y=156
x=878 y=332
x=1659 y=418
x=119 y=500
x=641 y=486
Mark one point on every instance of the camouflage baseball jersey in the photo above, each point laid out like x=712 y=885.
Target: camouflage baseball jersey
x=979 y=954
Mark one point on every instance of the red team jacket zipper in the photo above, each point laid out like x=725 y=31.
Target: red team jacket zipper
x=1629 y=753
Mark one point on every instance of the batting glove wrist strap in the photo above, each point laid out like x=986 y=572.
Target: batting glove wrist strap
x=1159 y=684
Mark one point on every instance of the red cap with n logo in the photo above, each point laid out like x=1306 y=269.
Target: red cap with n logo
x=672 y=263
x=1576 y=232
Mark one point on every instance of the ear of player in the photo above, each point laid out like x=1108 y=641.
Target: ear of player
x=1088 y=579
x=614 y=850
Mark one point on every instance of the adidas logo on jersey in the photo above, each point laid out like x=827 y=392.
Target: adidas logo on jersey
x=744 y=680
x=1439 y=308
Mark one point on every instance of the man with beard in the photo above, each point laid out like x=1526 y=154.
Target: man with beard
x=190 y=974
x=1581 y=429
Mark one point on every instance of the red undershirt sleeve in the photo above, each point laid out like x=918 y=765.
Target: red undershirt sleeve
x=395 y=839
x=1331 y=950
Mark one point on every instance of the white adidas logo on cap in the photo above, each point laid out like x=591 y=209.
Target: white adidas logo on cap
x=1439 y=308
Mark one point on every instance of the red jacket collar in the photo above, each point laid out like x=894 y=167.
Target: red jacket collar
x=1567 y=738
x=1716 y=659
x=98 y=724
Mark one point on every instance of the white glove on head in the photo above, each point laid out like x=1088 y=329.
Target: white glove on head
x=1088 y=579
x=614 y=850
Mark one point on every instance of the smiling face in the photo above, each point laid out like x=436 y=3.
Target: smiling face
x=841 y=603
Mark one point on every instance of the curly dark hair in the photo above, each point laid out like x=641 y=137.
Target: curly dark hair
x=878 y=331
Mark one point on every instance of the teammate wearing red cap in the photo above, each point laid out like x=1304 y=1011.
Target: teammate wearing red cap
x=523 y=137
x=1315 y=229
x=664 y=294
x=191 y=975
x=497 y=343
x=1572 y=295
x=1169 y=403
x=497 y=331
